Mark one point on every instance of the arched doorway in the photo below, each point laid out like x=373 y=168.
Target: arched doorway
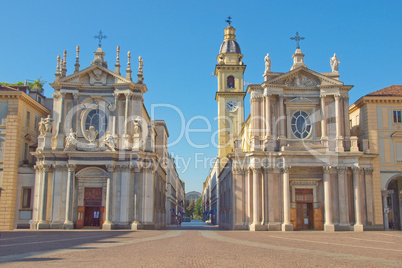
x=91 y=197
x=393 y=204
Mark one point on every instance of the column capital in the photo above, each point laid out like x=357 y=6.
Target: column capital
x=238 y=170
x=110 y=168
x=356 y=170
x=58 y=166
x=326 y=169
x=368 y=171
x=341 y=170
x=256 y=170
x=137 y=96
x=337 y=96
x=70 y=167
x=323 y=96
x=345 y=97
x=285 y=169
x=75 y=95
x=128 y=94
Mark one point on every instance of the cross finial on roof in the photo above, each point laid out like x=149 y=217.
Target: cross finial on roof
x=297 y=38
x=229 y=20
x=100 y=36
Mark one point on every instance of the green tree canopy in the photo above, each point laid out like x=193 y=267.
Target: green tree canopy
x=36 y=85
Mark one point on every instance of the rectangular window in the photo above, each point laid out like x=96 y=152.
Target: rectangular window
x=26 y=198
x=37 y=120
x=28 y=118
x=397 y=116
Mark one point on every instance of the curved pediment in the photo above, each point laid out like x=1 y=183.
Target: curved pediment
x=92 y=172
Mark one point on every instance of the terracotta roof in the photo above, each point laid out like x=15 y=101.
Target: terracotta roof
x=394 y=90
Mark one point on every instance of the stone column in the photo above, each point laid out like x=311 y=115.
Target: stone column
x=108 y=224
x=255 y=122
x=116 y=113
x=256 y=224
x=75 y=117
x=343 y=197
x=282 y=117
x=125 y=195
x=68 y=223
x=347 y=120
x=61 y=118
x=249 y=195
x=128 y=95
x=268 y=114
x=328 y=225
x=149 y=181
x=368 y=178
x=43 y=224
x=357 y=196
x=324 y=135
x=134 y=225
x=286 y=225
x=338 y=116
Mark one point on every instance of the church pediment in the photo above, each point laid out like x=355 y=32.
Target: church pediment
x=94 y=75
x=92 y=172
x=303 y=77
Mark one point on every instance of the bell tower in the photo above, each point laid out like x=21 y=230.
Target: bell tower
x=230 y=94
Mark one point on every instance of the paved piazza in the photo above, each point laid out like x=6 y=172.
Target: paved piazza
x=199 y=245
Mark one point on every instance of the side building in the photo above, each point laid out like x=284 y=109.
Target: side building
x=20 y=111
x=376 y=119
x=175 y=193
x=101 y=160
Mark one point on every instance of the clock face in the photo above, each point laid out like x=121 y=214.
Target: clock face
x=231 y=105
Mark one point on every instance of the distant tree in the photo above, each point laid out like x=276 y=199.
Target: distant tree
x=36 y=85
x=190 y=209
x=198 y=209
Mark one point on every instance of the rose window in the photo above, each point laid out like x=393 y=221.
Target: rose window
x=301 y=125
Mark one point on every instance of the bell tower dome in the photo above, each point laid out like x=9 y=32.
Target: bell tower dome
x=230 y=95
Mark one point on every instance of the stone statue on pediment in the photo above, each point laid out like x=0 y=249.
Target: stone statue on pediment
x=91 y=134
x=334 y=63
x=267 y=60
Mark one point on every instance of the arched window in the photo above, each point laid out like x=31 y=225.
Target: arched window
x=301 y=124
x=97 y=119
x=230 y=81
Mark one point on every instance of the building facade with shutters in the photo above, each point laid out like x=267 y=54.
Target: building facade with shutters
x=376 y=119
x=20 y=111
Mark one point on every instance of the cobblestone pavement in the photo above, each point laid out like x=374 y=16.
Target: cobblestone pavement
x=195 y=245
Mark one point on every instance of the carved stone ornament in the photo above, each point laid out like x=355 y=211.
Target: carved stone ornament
x=301 y=81
x=91 y=134
x=137 y=125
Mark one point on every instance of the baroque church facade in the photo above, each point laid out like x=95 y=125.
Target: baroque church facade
x=292 y=164
x=101 y=159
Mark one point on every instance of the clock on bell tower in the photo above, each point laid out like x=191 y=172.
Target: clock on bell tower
x=230 y=94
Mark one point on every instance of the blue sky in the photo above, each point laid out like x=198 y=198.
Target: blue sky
x=179 y=42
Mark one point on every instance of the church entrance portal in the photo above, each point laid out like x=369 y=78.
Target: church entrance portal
x=92 y=213
x=304 y=209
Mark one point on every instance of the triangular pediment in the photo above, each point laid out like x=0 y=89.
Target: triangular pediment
x=94 y=75
x=303 y=77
